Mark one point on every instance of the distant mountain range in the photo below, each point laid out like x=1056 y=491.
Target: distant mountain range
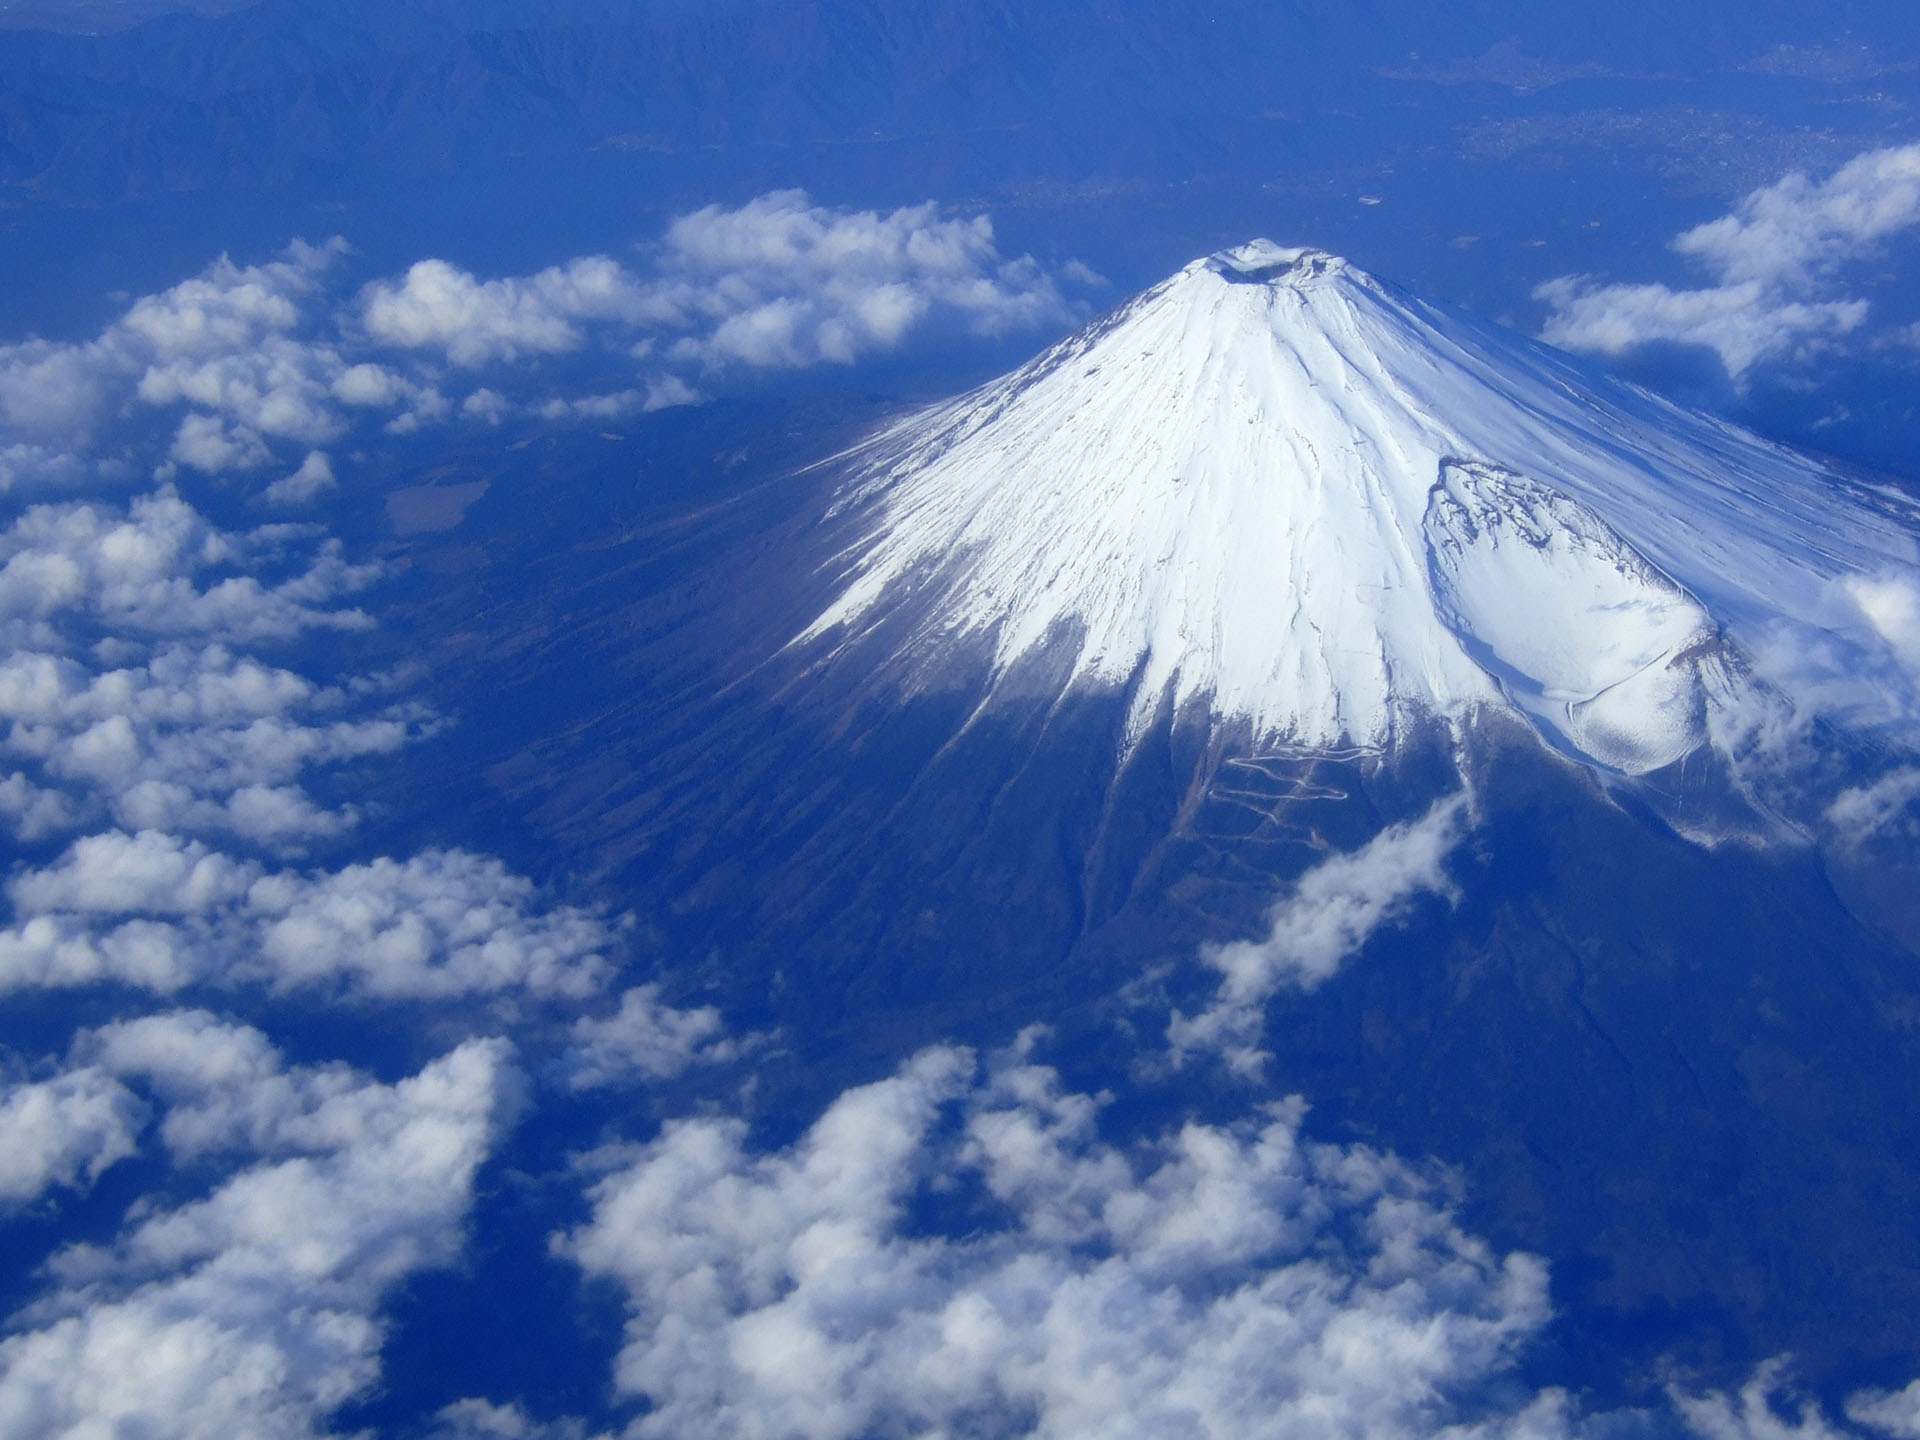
x=301 y=91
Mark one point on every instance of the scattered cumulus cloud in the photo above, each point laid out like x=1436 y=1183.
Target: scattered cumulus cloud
x=443 y=923
x=157 y=567
x=1775 y=262
x=229 y=307
x=1225 y=1281
x=251 y=366
x=370 y=386
x=34 y=812
x=615 y=406
x=129 y=693
x=1883 y=806
x=1743 y=324
x=221 y=340
x=1798 y=228
x=645 y=1039
x=489 y=407
x=1328 y=917
x=157 y=912
x=157 y=739
x=65 y=1131
x=209 y=444
x=1891 y=1412
x=1767 y=1407
x=313 y=479
x=1890 y=604
x=776 y=284
x=781 y=283
x=476 y=1419
x=255 y=1309
x=162 y=722
x=439 y=306
x=42 y=466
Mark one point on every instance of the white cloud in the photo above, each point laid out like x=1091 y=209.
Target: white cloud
x=781 y=283
x=442 y=923
x=1767 y=1406
x=427 y=406
x=137 y=568
x=166 y=728
x=483 y=1420
x=243 y=361
x=1220 y=1282
x=661 y=393
x=668 y=391
x=1798 y=228
x=1890 y=604
x=117 y=874
x=198 y=737
x=194 y=733
x=1742 y=324
x=210 y=445
x=1893 y=1412
x=645 y=1039
x=489 y=407
x=1329 y=916
x=778 y=283
x=312 y=480
x=156 y=912
x=51 y=390
x=34 y=811
x=255 y=1309
x=594 y=407
x=225 y=1087
x=1772 y=258
x=368 y=384
x=228 y=307
x=64 y=1131
x=1754 y=1413
x=44 y=465
x=138 y=701
x=220 y=340
x=280 y=387
x=1865 y=811
x=63 y=951
x=440 y=306
x=228 y=1091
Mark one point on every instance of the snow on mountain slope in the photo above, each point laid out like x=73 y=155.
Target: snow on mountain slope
x=1603 y=651
x=1275 y=486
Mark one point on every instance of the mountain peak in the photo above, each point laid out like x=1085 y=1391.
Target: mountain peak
x=1278 y=489
x=1264 y=262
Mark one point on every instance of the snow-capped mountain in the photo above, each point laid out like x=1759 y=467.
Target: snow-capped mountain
x=1277 y=488
x=1683 y=1073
